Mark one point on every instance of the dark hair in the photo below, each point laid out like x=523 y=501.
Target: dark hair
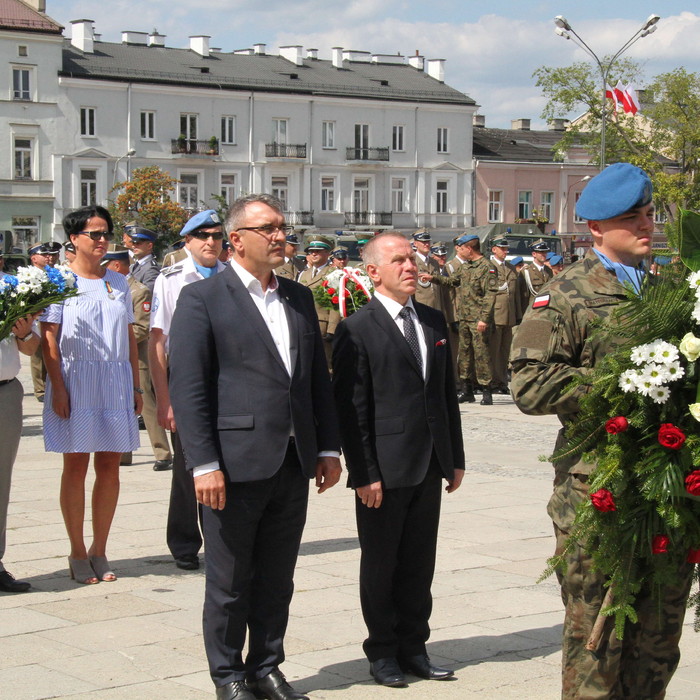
x=74 y=222
x=235 y=214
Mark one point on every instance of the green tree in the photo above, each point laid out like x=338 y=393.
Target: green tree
x=146 y=199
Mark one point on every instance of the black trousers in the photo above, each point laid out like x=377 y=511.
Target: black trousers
x=398 y=542
x=252 y=547
x=182 y=532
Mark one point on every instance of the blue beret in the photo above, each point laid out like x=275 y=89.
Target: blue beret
x=517 y=260
x=205 y=219
x=465 y=238
x=423 y=236
x=556 y=260
x=141 y=234
x=619 y=188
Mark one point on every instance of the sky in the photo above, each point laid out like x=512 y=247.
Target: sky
x=491 y=55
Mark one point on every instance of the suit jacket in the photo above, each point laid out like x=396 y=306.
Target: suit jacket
x=391 y=419
x=232 y=397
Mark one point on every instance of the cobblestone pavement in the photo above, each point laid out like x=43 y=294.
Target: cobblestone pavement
x=140 y=637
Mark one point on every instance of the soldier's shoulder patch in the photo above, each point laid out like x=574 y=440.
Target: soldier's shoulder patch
x=541 y=301
x=167 y=271
x=146 y=306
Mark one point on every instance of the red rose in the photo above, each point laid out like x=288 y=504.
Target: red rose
x=603 y=501
x=671 y=437
x=324 y=283
x=693 y=556
x=617 y=425
x=659 y=544
x=692 y=482
x=347 y=293
x=334 y=299
x=330 y=290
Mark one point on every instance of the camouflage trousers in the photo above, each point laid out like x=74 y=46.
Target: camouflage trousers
x=474 y=362
x=641 y=665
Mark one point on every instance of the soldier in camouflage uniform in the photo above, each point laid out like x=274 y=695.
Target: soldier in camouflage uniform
x=553 y=345
x=477 y=281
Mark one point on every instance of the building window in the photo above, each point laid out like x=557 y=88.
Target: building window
x=495 y=206
x=577 y=218
x=228 y=188
x=398 y=195
x=279 y=130
x=22 y=50
x=547 y=205
x=189 y=191
x=88 y=187
x=25 y=232
x=660 y=217
x=23 y=159
x=148 y=126
x=360 y=194
x=228 y=130
x=442 y=144
x=441 y=197
x=188 y=129
x=87 y=121
x=20 y=84
x=397 y=137
x=280 y=189
x=327 y=134
x=524 y=204
x=362 y=142
x=328 y=198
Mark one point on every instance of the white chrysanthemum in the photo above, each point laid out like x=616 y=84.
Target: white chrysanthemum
x=666 y=353
x=655 y=373
x=23 y=288
x=694 y=280
x=660 y=394
x=640 y=354
x=645 y=386
x=628 y=380
x=675 y=371
x=67 y=274
x=696 y=313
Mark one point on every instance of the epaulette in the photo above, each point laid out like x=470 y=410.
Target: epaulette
x=171 y=269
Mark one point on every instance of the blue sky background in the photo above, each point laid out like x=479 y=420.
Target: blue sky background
x=490 y=55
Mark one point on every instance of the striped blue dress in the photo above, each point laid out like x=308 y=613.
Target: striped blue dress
x=94 y=345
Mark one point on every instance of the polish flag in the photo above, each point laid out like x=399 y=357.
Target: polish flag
x=611 y=94
x=631 y=102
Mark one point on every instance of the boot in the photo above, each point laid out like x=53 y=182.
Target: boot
x=487 y=398
x=467 y=394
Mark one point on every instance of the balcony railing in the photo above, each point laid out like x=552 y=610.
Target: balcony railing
x=299 y=218
x=285 y=150
x=194 y=147
x=368 y=218
x=367 y=153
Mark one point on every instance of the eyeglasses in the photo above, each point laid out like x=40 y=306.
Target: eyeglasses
x=96 y=235
x=205 y=235
x=268 y=230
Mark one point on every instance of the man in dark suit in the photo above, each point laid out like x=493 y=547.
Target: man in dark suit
x=401 y=435
x=252 y=398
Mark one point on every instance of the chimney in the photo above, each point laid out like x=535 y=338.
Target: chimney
x=292 y=54
x=135 y=38
x=337 y=56
x=243 y=52
x=558 y=124
x=479 y=120
x=200 y=44
x=520 y=124
x=155 y=39
x=312 y=54
x=387 y=58
x=259 y=49
x=83 y=35
x=436 y=68
x=356 y=56
x=416 y=61
x=38 y=5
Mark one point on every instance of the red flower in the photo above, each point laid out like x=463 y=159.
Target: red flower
x=603 y=501
x=693 y=556
x=324 y=283
x=334 y=299
x=347 y=293
x=671 y=437
x=659 y=544
x=617 y=425
x=330 y=290
x=692 y=482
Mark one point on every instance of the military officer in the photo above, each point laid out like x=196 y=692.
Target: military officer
x=503 y=316
x=532 y=277
x=292 y=266
x=177 y=253
x=144 y=267
x=439 y=254
x=69 y=252
x=452 y=314
x=426 y=292
x=554 y=346
x=339 y=258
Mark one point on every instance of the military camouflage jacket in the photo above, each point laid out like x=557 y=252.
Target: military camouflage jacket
x=554 y=343
x=478 y=283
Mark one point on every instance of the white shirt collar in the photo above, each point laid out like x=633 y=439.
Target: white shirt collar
x=392 y=306
x=250 y=282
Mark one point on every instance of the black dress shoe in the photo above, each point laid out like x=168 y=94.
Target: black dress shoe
x=420 y=666
x=236 y=690
x=162 y=465
x=274 y=686
x=142 y=424
x=188 y=562
x=388 y=672
x=10 y=585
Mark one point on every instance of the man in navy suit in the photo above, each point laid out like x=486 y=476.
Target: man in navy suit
x=401 y=435
x=252 y=399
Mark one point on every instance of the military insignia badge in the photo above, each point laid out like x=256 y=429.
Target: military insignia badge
x=147 y=306
x=541 y=302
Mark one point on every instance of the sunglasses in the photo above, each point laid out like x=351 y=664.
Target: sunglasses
x=96 y=235
x=205 y=235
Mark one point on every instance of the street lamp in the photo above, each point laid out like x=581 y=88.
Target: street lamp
x=563 y=28
x=128 y=154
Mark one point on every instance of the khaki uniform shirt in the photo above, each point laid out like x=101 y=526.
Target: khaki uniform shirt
x=426 y=292
x=328 y=319
x=537 y=279
x=504 y=306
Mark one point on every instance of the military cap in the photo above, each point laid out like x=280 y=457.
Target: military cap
x=619 y=188
x=422 y=235
x=556 y=260
x=177 y=245
x=141 y=234
x=116 y=252
x=364 y=238
x=38 y=249
x=340 y=253
x=69 y=247
x=465 y=238
x=292 y=238
x=318 y=243
x=500 y=243
x=539 y=246
x=205 y=219
x=517 y=260
x=225 y=245
x=438 y=249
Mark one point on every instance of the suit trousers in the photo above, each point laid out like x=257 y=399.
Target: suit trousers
x=11 y=395
x=184 y=513
x=398 y=541
x=252 y=547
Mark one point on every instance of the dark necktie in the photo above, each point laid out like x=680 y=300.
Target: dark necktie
x=409 y=331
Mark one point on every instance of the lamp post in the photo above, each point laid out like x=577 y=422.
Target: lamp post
x=128 y=154
x=564 y=29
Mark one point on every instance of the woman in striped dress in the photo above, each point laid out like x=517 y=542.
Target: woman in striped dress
x=92 y=393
